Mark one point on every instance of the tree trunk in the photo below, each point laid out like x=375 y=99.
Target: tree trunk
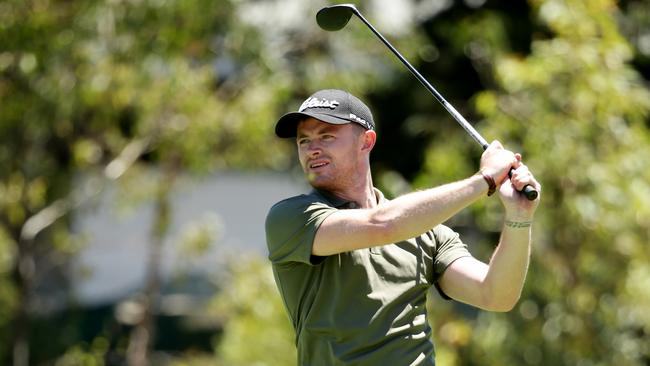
x=23 y=278
x=144 y=334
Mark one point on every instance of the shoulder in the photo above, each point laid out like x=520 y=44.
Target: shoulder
x=291 y=225
x=296 y=209
x=299 y=200
x=295 y=204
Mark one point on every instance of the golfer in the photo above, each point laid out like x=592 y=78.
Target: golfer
x=354 y=268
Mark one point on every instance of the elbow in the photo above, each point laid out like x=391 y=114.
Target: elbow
x=503 y=308
x=502 y=303
x=385 y=229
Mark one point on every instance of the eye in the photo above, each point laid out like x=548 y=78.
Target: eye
x=303 y=141
x=328 y=137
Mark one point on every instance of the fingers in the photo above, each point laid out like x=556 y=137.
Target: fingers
x=522 y=176
x=497 y=161
x=495 y=145
x=518 y=161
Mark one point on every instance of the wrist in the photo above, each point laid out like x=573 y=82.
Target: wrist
x=517 y=214
x=518 y=218
x=489 y=180
x=518 y=224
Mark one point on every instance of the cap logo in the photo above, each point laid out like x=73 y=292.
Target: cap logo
x=318 y=103
x=360 y=120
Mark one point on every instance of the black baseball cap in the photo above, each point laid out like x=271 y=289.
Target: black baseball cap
x=330 y=105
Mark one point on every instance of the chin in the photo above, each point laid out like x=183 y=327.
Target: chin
x=321 y=182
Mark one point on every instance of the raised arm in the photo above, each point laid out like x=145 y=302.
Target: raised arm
x=498 y=286
x=409 y=215
x=405 y=217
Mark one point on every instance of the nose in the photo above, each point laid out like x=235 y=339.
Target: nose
x=313 y=149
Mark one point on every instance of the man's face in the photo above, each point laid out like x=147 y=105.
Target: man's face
x=329 y=154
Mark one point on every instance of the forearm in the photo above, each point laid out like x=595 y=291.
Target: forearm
x=508 y=265
x=497 y=286
x=414 y=213
x=400 y=219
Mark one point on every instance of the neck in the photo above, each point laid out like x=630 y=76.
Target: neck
x=361 y=191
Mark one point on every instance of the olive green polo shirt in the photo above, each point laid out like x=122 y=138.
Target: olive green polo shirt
x=363 y=307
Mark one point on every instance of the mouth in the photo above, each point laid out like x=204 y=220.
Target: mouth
x=317 y=164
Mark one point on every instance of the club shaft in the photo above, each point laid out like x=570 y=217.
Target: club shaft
x=450 y=108
x=528 y=190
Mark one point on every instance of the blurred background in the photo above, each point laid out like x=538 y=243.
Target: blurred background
x=138 y=162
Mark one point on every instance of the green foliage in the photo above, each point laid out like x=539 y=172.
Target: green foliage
x=578 y=112
x=7 y=289
x=118 y=89
x=197 y=238
x=257 y=330
x=84 y=83
x=86 y=355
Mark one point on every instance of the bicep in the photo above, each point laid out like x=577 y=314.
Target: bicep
x=464 y=281
x=346 y=230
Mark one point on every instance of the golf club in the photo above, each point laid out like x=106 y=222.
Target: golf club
x=335 y=17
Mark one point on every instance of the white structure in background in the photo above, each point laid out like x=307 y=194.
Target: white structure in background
x=116 y=255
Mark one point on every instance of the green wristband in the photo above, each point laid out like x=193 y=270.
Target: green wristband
x=518 y=224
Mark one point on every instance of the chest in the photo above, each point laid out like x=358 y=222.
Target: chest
x=408 y=262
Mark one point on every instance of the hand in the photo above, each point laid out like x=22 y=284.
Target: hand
x=518 y=207
x=496 y=162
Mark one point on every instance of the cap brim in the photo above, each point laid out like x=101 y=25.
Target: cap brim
x=288 y=124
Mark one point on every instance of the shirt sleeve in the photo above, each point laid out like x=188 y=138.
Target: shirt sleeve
x=291 y=226
x=449 y=247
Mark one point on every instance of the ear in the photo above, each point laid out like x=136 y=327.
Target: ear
x=369 y=140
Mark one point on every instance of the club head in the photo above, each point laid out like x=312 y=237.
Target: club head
x=335 y=17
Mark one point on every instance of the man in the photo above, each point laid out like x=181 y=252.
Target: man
x=353 y=268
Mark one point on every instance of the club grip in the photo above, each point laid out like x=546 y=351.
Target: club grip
x=529 y=191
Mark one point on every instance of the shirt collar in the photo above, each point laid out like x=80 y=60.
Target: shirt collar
x=341 y=203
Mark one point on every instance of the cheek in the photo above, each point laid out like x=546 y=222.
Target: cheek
x=301 y=153
x=301 y=159
x=352 y=151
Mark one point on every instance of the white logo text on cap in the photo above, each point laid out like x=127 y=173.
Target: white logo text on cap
x=360 y=120
x=318 y=103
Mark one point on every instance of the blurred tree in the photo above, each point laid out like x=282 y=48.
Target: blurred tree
x=257 y=330
x=113 y=90
x=578 y=111
x=635 y=26
x=98 y=88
